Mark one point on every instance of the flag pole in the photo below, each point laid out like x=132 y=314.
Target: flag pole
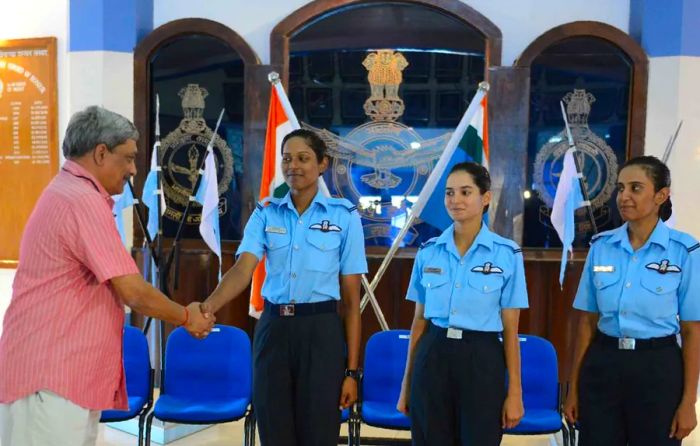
x=157 y=251
x=671 y=143
x=159 y=193
x=429 y=186
x=579 y=171
x=139 y=217
x=274 y=79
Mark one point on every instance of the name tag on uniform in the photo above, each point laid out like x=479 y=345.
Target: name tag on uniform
x=432 y=270
x=454 y=333
x=276 y=230
x=603 y=269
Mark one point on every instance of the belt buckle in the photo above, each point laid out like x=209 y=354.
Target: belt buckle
x=287 y=310
x=454 y=333
x=626 y=343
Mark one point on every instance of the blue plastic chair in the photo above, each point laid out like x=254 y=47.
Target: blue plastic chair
x=139 y=380
x=385 y=361
x=207 y=381
x=541 y=390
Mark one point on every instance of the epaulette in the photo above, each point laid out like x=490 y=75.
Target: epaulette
x=266 y=201
x=428 y=242
x=687 y=240
x=344 y=202
x=507 y=242
x=601 y=235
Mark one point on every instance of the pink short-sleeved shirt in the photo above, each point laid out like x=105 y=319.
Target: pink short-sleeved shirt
x=63 y=328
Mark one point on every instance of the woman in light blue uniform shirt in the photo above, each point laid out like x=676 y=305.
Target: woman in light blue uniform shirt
x=314 y=254
x=469 y=286
x=631 y=383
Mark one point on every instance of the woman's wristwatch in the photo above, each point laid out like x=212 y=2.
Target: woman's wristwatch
x=353 y=373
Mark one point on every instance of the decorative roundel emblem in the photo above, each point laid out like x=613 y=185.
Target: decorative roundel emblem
x=183 y=150
x=182 y=156
x=377 y=173
x=597 y=160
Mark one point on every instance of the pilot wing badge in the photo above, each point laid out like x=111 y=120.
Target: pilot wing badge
x=664 y=267
x=487 y=268
x=325 y=226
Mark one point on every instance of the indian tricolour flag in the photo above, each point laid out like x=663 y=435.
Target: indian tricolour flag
x=280 y=122
x=473 y=146
x=475 y=141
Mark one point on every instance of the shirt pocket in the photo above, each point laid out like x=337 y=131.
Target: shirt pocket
x=437 y=295
x=486 y=285
x=607 y=290
x=277 y=251
x=659 y=294
x=323 y=251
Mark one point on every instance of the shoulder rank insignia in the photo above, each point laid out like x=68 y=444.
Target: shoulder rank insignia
x=325 y=226
x=488 y=268
x=664 y=267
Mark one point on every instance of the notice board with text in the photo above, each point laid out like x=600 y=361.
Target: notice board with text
x=28 y=134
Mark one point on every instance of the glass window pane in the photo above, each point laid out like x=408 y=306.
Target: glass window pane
x=593 y=78
x=195 y=77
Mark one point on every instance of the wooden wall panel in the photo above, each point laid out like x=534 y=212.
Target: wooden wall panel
x=28 y=134
x=550 y=314
x=508 y=127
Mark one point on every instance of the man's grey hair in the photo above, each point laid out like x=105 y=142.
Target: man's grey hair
x=96 y=125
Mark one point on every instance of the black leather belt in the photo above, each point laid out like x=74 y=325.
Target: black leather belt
x=459 y=334
x=635 y=344
x=292 y=310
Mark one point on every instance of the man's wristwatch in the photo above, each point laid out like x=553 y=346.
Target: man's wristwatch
x=353 y=373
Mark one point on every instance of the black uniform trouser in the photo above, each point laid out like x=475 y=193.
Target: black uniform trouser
x=298 y=365
x=629 y=397
x=457 y=389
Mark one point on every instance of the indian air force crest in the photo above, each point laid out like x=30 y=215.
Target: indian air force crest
x=382 y=164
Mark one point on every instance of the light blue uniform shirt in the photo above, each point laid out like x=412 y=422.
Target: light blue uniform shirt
x=641 y=294
x=468 y=292
x=305 y=254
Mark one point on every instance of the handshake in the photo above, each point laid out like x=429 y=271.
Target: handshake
x=200 y=320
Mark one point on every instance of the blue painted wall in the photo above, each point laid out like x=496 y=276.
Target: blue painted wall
x=109 y=25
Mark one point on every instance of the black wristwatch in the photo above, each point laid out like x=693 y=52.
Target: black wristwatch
x=353 y=373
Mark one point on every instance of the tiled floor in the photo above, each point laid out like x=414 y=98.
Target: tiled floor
x=231 y=434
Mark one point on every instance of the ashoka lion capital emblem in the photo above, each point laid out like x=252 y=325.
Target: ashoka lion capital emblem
x=182 y=152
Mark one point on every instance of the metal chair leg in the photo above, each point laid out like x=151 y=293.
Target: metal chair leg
x=142 y=419
x=149 y=423
x=252 y=428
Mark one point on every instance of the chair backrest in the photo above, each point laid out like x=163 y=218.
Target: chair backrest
x=385 y=360
x=137 y=363
x=540 y=376
x=220 y=365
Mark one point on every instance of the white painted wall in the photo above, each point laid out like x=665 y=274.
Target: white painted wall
x=520 y=21
x=673 y=95
x=6 y=278
x=31 y=19
x=42 y=18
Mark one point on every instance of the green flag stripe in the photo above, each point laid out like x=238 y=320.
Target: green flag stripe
x=472 y=144
x=280 y=191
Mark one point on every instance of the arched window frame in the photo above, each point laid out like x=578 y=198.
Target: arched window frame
x=284 y=30
x=640 y=69
x=143 y=53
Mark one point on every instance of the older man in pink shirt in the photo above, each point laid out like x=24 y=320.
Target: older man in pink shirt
x=60 y=351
